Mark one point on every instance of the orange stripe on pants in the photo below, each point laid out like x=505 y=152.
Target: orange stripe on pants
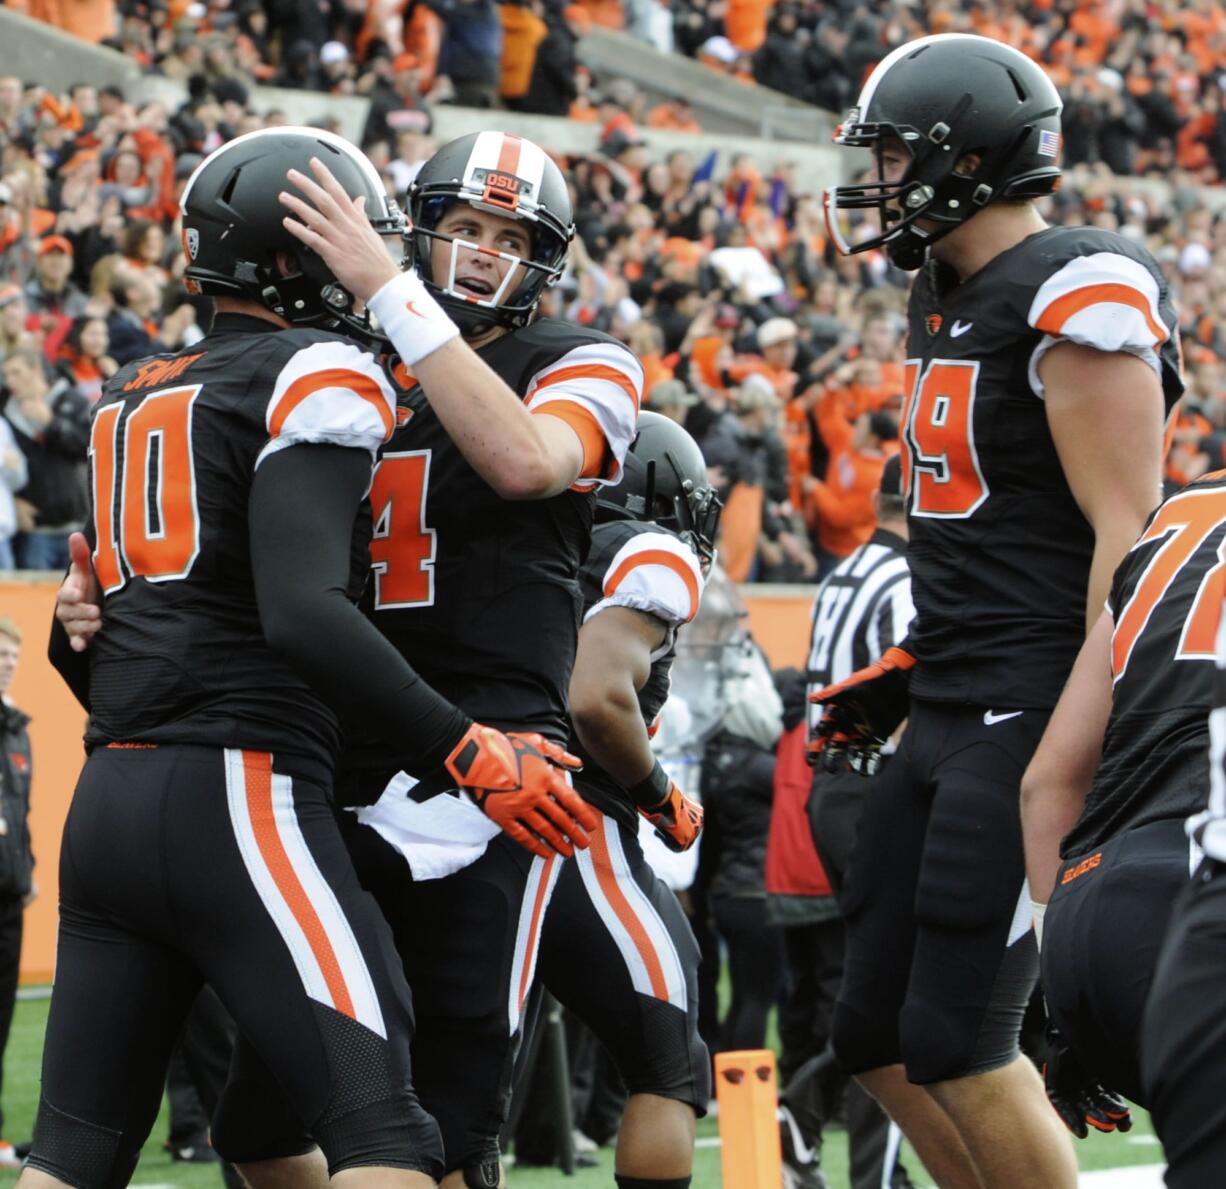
x=257 y=776
x=534 y=929
x=603 y=866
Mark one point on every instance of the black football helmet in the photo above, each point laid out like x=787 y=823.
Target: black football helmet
x=943 y=97
x=509 y=176
x=232 y=229
x=664 y=480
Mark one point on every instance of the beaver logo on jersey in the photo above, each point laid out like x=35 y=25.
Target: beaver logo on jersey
x=932 y=324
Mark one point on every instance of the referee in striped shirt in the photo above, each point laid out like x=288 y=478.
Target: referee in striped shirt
x=862 y=608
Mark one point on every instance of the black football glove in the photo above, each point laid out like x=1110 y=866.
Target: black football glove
x=1079 y=1100
x=861 y=712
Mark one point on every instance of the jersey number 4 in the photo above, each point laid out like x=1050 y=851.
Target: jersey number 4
x=1187 y=521
x=156 y=534
x=940 y=466
x=402 y=549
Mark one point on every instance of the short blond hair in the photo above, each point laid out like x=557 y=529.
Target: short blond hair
x=10 y=629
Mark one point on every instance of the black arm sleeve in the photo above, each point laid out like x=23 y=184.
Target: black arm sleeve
x=73 y=667
x=304 y=502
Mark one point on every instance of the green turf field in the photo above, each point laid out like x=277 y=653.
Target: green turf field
x=21 y=1068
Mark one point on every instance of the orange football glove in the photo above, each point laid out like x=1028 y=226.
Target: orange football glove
x=518 y=780
x=677 y=819
x=861 y=712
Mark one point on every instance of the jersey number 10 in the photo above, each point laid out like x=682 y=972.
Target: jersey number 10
x=157 y=535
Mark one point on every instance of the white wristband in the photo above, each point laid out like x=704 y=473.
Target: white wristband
x=414 y=322
x=1039 y=910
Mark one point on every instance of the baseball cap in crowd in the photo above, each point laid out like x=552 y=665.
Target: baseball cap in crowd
x=332 y=52
x=891 y=476
x=670 y=394
x=54 y=243
x=727 y=316
x=9 y=294
x=775 y=330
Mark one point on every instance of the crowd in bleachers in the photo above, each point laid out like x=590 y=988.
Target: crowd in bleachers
x=783 y=358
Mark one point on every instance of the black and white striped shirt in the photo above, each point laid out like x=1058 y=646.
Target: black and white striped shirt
x=862 y=608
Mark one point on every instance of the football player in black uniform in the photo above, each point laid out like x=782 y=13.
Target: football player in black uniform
x=1122 y=764
x=479 y=533
x=227 y=483
x=1043 y=363
x=1183 y=1057
x=616 y=947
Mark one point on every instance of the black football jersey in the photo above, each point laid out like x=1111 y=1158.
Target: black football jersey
x=174 y=447
x=652 y=570
x=999 y=550
x=479 y=593
x=1166 y=601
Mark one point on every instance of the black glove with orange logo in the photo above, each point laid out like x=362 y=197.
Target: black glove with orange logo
x=861 y=712
x=519 y=781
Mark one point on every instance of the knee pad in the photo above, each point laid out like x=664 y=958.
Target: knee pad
x=74 y=1151
x=394 y=1133
x=861 y=1042
x=972 y=864
x=942 y=1039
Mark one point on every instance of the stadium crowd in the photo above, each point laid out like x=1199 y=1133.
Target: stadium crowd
x=783 y=358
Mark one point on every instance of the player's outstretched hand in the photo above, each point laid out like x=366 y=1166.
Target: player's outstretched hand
x=336 y=226
x=677 y=819
x=1079 y=1100
x=861 y=712
x=519 y=781
x=78 y=601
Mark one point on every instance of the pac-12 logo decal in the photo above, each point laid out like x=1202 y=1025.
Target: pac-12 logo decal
x=191 y=239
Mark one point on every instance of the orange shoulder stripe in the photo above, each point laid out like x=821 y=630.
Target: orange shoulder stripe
x=591 y=371
x=335 y=377
x=591 y=435
x=1063 y=308
x=656 y=557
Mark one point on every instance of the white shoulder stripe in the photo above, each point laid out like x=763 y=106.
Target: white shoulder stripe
x=332 y=393
x=1104 y=285
x=656 y=573
x=595 y=355
x=606 y=380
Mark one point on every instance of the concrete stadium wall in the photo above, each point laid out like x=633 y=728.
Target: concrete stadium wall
x=779 y=618
x=723 y=104
x=817 y=165
x=40 y=53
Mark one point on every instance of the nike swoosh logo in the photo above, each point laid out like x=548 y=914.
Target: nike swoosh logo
x=958 y=329
x=990 y=719
x=408 y=305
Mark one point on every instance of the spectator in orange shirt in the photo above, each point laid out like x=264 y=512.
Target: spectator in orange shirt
x=745 y=23
x=778 y=343
x=839 y=510
x=523 y=30
x=674 y=115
